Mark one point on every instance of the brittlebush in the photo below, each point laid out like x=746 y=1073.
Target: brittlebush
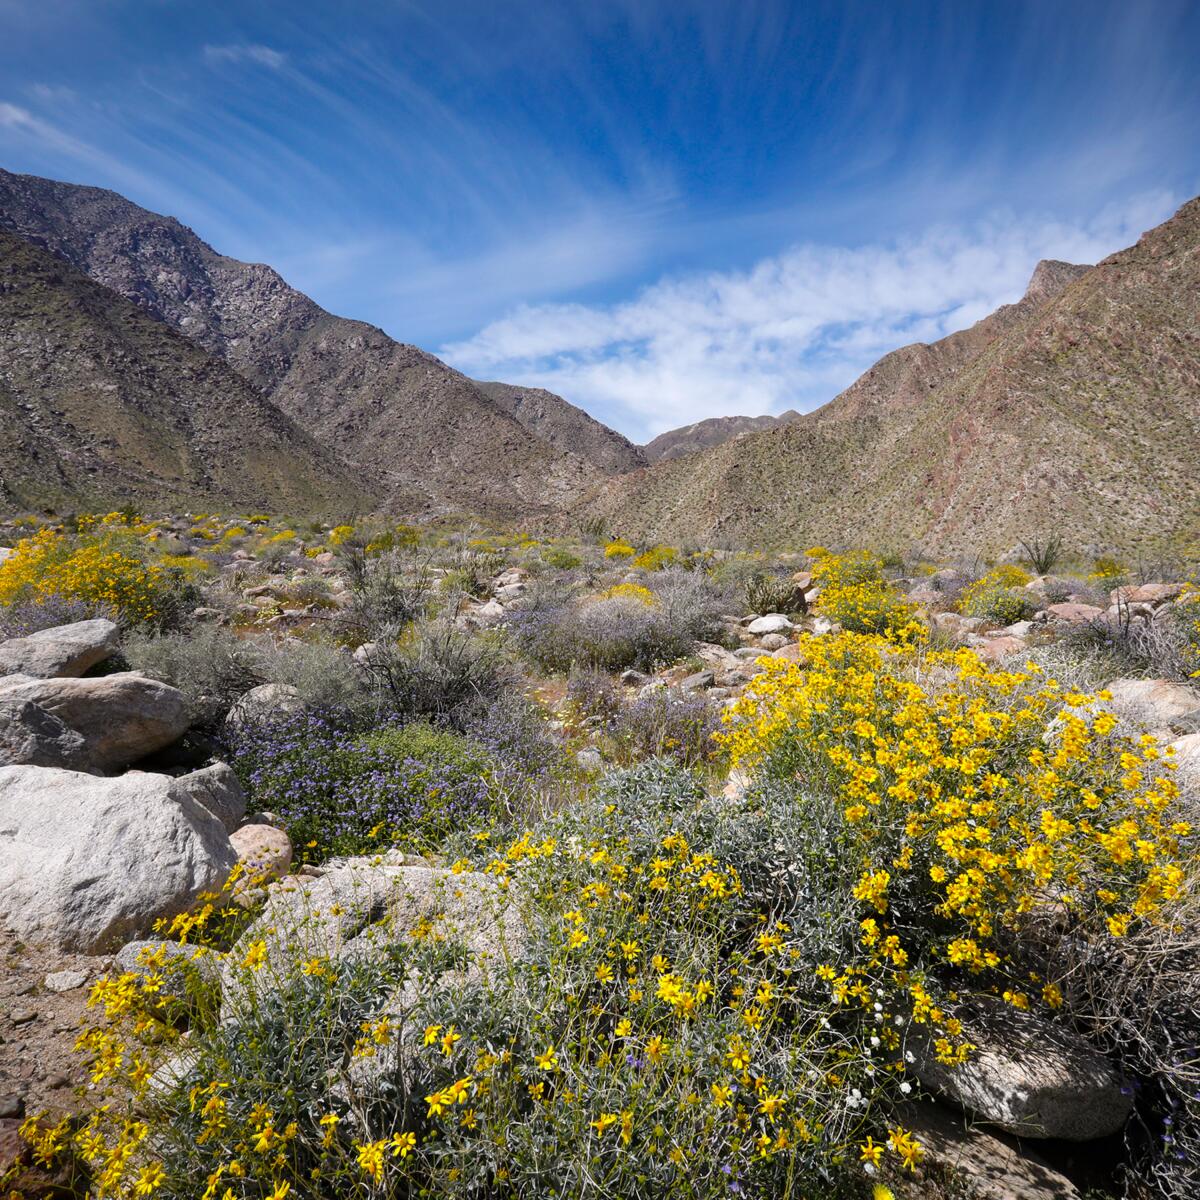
x=104 y=565
x=972 y=800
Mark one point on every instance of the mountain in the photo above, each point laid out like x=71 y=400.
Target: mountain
x=1076 y=409
x=691 y=439
x=566 y=427
x=423 y=436
x=101 y=404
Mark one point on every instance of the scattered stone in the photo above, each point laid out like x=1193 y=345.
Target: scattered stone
x=30 y=736
x=22 y=1016
x=120 y=717
x=1027 y=1075
x=632 y=678
x=90 y=861
x=792 y=652
x=261 y=703
x=1073 y=613
x=1153 y=594
x=65 y=650
x=265 y=852
x=11 y=1107
x=773 y=641
x=1160 y=704
x=697 y=682
x=65 y=981
x=218 y=789
x=999 y=648
x=993 y=1168
x=589 y=759
x=770 y=623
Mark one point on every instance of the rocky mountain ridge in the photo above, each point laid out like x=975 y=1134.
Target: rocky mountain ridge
x=421 y=435
x=1075 y=408
x=102 y=405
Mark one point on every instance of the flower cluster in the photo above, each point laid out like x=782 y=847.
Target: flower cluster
x=855 y=594
x=972 y=801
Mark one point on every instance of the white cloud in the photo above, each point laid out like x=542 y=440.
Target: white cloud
x=264 y=56
x=789 y=332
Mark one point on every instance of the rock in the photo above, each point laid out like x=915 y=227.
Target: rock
x=996 y=649
x=218 y=789
x=488 y=612
x=22 y=1016
x=121 y=717
x=210 y=614
x=136 y=957
x=748 y=653
x=367 y=654
x=89 y=861
x=589 y=759
x=774 y=641
x=1160 y=704
x=65 y=981
x=736 y=784
x=11 y=1107
x=1028 y=1076
x=510 y=578
x=510 y=592
x=262 y=703
x=803 y=580
x=1074 y=614
x=360 y=906
x=31 y=736
x=65 y=650
x=697 y=682
x=792 y=652
x=265 y=852
x=823 y=625
x=632 y=678
x=1147 y=593
x=992 y=1168
x=770 y=623
x=1017 y=629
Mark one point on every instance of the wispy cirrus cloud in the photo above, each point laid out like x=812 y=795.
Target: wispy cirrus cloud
x=245 y=52
x=789 y=332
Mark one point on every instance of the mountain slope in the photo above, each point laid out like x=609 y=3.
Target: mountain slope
x=691 y=439
x=423 y=432
x=101 y=404
x=1078 y=408
x=566 y=427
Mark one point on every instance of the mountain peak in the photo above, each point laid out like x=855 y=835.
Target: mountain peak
x=1050 y=277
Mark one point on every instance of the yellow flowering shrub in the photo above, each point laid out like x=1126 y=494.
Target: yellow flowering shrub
x=855 y=594
x=106 y=565
x=656 y=558
x=629 y=591
x=971 y=799
x=663 y=1035
x=619 y=548
x=339 y=533
x=995 y=596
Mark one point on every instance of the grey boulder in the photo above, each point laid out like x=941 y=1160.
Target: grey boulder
x=30 y=736
x=121 y=717
x=218 y=789
x=65 y=650
x=90 y=862
x=1027 y=1076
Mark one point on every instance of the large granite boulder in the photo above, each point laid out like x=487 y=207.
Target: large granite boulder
x=90 y=862
x=121 y=717
x=218 y=789
x=1158 y=704
x=1027 y=1076
x=65 y=650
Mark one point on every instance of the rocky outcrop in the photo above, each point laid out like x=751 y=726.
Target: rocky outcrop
x=217 y=789
x=1156 y=704
x=121 y=717
x=1027 y=1076
x=65 y=650
x=88 y=862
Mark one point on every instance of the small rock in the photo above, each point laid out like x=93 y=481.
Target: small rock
x=774 y=641
x=265 y=852
x=22 y=1016
x=263 y=703
x=12 y=1107
x=65 y=981
x=1073 y=613
x=698 y=682
x=770 y=623
x=632 y=678
x=54 y=1082
x=65 y=650
x=999 y=648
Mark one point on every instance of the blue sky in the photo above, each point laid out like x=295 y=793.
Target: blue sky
x=663 y=211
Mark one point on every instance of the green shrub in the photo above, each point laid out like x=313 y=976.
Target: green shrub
x=997 y=596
